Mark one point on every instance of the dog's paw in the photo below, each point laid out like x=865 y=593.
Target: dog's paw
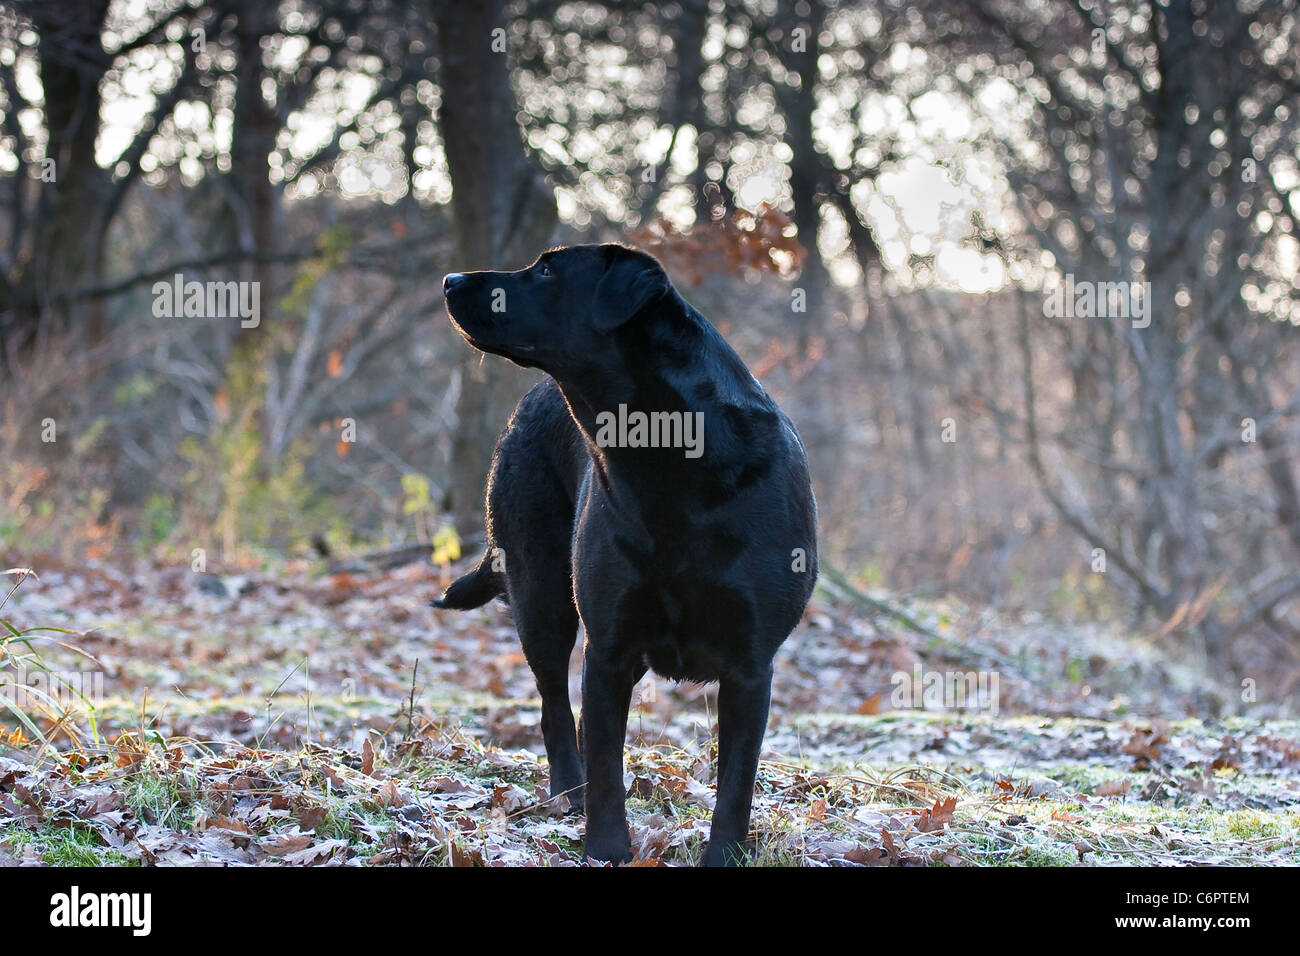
x=611 y=849
x=726 y=853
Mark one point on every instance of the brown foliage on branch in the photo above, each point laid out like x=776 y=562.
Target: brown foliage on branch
x=732 y=244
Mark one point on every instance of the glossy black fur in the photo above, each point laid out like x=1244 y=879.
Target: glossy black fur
x=697 y=568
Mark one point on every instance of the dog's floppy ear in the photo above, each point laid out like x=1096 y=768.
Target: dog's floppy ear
x=631 y=281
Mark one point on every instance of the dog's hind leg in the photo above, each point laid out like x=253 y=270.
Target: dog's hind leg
x=530 y=520
x=548 y=627
x=742 y=719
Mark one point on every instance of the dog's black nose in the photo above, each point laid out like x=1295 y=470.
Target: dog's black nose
x=451 y=280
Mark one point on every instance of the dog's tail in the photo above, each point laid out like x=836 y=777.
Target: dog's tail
x=474 y=589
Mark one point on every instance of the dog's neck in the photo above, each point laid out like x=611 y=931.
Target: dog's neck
x=680 y=338
x=668 y=329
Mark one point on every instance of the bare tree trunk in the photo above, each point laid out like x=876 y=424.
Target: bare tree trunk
x=1172 y=487
x=252 y=141
x=72 y=65
x=798 y=49
x=503 y=213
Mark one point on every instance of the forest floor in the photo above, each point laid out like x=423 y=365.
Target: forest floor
x=293 y=717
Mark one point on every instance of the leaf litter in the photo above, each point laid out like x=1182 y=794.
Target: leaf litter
x=299 y=719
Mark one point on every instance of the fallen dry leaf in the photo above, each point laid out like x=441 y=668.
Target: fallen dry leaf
x=367 y=757
x=938 y=816
x=871 y=705
x=1145 y=744
x=284 y=844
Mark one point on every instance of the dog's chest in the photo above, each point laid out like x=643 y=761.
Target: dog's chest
x=679 y=605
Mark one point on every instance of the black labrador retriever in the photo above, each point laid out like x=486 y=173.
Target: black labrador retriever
x=651 y=489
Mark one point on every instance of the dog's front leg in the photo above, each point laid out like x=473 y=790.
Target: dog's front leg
x=742 y=720
x=606 y=695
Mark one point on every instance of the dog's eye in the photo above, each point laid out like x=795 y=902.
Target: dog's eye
x=546 y=270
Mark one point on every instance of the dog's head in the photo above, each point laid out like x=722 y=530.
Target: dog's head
x=562 y=311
